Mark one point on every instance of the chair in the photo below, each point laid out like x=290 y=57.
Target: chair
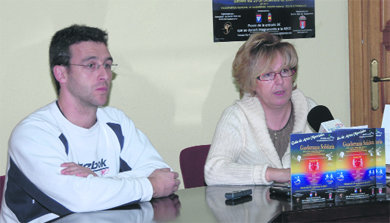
x=192 y=160
x=2 y=179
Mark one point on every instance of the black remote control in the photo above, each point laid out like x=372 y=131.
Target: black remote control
x=238 y=194
x=239 y=200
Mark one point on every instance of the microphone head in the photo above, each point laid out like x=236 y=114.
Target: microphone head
x=318 y=115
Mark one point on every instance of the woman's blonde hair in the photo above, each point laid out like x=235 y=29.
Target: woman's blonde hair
x=259 y=51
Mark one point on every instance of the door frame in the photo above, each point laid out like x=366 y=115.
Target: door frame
x=357 y=65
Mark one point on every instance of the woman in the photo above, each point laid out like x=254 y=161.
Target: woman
x=251 y=142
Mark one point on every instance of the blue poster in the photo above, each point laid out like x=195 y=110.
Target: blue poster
x=236 y=20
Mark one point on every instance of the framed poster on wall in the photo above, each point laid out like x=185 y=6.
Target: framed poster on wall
x=236 y=20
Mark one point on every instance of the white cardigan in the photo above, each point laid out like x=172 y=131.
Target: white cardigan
x=242 y=148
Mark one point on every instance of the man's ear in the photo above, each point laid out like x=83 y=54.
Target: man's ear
x=60 y=73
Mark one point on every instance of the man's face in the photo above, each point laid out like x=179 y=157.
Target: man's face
x=89 y=74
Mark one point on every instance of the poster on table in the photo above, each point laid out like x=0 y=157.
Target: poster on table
x=236 y=20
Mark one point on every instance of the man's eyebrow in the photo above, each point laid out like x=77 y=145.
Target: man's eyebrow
x=89 y=58
x=95 y=58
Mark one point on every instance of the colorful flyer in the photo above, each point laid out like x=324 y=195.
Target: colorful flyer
x=356 y=164
x=313 y=167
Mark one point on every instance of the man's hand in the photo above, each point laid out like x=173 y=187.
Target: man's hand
x=164 y=182
x=76 y=170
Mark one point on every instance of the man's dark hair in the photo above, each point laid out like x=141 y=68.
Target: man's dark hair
x=59 y=53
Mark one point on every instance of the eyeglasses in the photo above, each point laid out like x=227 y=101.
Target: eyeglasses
x=271 y=75
x=92 y=67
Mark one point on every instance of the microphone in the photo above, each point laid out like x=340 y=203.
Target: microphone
x=321 y=120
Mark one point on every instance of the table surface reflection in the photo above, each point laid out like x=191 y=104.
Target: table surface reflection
x=208 y=204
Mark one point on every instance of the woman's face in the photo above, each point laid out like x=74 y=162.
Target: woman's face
x=274 y=94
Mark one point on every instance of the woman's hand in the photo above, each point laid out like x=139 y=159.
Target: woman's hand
x=278 y=175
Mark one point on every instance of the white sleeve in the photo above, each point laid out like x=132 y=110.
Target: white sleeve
x=229 y=140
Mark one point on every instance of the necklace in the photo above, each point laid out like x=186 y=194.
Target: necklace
x=276 y=133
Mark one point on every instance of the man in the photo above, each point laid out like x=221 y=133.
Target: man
x=74 y=155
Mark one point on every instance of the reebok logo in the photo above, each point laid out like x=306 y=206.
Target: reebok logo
x=95 y=165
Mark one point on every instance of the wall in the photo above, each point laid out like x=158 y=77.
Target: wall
x=173 y=80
